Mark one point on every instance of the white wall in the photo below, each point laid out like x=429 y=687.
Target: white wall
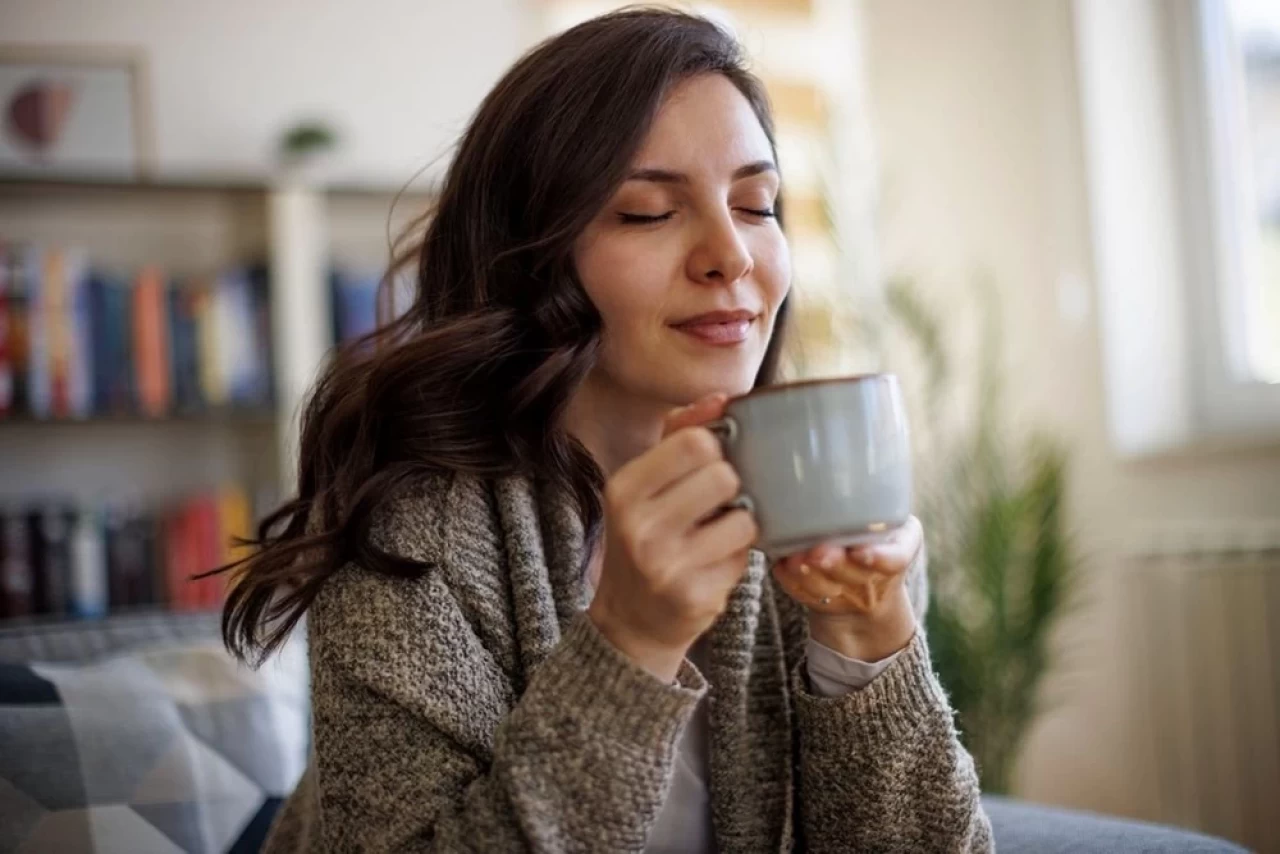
x=977 y=121
x=398 y=78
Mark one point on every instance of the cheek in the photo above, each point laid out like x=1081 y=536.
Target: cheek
x=773 y=267
x=622 y=279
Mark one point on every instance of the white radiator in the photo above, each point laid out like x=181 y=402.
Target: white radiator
x=1206 y=641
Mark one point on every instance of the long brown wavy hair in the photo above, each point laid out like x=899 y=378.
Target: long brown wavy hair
x=474 y=377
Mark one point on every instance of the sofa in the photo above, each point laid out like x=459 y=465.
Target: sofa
x=139 y=734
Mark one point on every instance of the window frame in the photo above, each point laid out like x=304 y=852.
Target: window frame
x=1165 y=213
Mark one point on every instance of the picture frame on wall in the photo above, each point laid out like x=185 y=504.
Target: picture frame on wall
x=74 y=113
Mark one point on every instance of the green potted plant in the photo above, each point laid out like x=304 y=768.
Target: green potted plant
x=1003 y=566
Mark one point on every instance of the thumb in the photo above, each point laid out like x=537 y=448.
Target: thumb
x=701 y=411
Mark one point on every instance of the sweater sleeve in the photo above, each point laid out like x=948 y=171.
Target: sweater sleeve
x=882 y=768
x=405 y=697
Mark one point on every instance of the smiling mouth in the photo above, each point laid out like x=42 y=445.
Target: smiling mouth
x=718 y=328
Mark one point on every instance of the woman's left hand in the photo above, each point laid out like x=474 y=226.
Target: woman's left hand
x=857 y=596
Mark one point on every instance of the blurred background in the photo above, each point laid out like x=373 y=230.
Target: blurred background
x=1058 y=220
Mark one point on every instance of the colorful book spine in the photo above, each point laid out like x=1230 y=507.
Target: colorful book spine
x=50 y=558
x=57 y=320
x=235 y=517
x=207 y=533
x=264 y=388
x=151 y=342
x=87 y=595
x=187 y=395
x=17 y=576
x=91 y=560
x=79 y=330
x=355 y=303
x=8 y=385
x=41 y=304
x=236 y=342
x=112 y=366
x=209 y=336
x=20 y=274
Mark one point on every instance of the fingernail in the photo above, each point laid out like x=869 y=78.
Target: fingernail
x=866 y=558
x=827 y=561
x=804 y=569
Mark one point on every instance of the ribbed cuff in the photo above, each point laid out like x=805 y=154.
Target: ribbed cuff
x=890 y=707
x=590 y=679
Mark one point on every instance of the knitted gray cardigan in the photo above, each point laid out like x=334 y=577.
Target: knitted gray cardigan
x=476 y=709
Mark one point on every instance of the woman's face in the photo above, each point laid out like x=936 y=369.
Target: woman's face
x=686 y=263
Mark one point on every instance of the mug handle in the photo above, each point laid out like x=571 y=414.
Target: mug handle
x=726 y=430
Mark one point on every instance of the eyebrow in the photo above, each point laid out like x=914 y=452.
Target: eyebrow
x=666 y=176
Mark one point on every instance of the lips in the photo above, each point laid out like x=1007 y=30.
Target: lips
x=719 y=328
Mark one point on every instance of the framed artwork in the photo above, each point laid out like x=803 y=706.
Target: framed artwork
x=74 y=113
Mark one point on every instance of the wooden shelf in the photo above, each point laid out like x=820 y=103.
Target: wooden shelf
x=229 y=416
x=417 y=188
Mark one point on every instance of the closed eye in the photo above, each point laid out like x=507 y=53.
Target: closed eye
x=641 y=219
x=764 y=213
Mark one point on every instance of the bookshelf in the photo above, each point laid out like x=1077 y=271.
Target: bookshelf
x=191 y=228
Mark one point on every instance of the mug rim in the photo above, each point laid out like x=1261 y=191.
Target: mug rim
x=852 y=378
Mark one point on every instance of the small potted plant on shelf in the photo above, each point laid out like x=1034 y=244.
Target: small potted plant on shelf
x=306 y=152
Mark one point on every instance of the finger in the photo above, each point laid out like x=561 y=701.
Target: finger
x=788 y=578
x=804 y=576
x=848 y=573
x=808 y=588
x=691 y=500
x=725 y=574
x=824 y=556
x=802 y=562
x=797 y=563
x=672 y=459
x=894 y=553
x=724 y=536
x=699 y=412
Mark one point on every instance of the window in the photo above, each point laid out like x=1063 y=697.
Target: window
x=1240 y=46
x=1180 y=106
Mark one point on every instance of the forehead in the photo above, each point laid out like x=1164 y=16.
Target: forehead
x=705 y=125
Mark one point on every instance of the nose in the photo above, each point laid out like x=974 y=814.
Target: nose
x=720 y=257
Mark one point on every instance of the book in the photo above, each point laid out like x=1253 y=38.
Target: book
x=41 y=305
x=88 y=560
x=355 y=303
x=179 y=558
x=241 y=357
x=128 y=580
x=185 y=348
x=87 y=584
x=49 y=540
x=213 y=387
x=17 y=579
x=110 y=333
x=202 y=529
x=79 y=341
x=260 y=282
x=7 y=382
x=151 y=342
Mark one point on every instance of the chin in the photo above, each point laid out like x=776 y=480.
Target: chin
x=699 y=384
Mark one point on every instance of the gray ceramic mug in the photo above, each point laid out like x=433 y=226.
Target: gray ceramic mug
x=821 y=461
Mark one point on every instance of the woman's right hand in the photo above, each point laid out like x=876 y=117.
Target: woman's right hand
x=670 y=563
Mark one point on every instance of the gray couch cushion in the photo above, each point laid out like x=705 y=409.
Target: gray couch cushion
x=44 y=640
x=1021 y=827
x=163 y=744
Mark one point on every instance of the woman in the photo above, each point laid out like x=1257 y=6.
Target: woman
x=530 y=630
